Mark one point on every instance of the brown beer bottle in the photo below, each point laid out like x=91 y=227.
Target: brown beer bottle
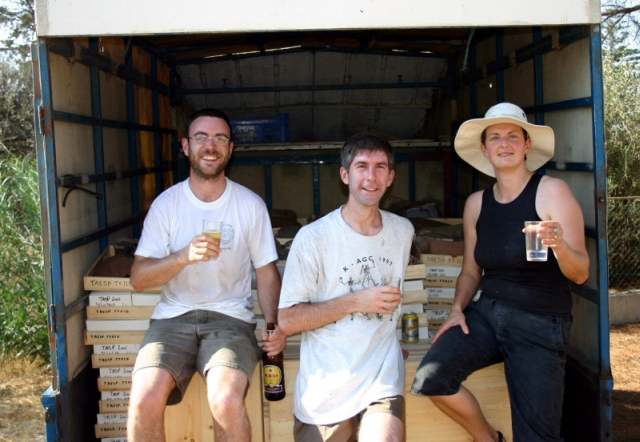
x=273 y=373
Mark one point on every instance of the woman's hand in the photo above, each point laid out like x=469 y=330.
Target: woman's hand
x=455 y=318
x=551 y=233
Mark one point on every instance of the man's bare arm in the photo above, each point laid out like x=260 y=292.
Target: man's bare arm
x=269 y=283
x=153 y=272
x=309 y=316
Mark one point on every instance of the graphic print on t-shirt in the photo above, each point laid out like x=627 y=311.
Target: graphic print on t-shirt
x=364 y=273
x=227 y=236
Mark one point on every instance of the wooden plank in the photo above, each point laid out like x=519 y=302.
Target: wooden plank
x=113 y=337
x=281 y=412
x=415 y=271
x=120 y=312
x=424 y=423
x=191 y=419
x=415 y=297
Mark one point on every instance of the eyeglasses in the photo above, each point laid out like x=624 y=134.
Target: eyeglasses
x=218 y=140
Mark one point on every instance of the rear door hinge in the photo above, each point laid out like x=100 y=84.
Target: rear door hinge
x=53 y=322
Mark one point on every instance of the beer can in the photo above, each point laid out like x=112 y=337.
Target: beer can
x=410 y=328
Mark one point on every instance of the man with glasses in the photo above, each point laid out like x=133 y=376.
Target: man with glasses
x=204 y=320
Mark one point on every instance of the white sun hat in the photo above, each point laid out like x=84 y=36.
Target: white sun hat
x=468 y=138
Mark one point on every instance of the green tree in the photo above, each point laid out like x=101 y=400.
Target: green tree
x=16 y=107
x=23 y=312
x=622 y=124
x=17 y=30
x=17 y=20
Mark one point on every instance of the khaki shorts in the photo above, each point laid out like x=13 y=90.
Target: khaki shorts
x=198 y=340
x=347 y=430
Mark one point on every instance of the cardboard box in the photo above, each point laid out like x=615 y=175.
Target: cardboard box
x=121 y=325
x=114 y=384
x=114 y=439
x=145 y=299
x=110 y=361
x=109 y=299
x=443 y=271
x=116 y=372
x=113 y=337
x=116 y=349
x=113 y=406
x=441 y=260
x=127 y=312
x=115 y=396
x=112 y=418
x=440 y=281
x=107 y=283
x=111 y=430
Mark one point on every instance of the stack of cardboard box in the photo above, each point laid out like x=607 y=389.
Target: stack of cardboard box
x=117 y=318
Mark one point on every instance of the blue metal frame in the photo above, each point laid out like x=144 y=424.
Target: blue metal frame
x=69 y=49
x=268 y=185
x=234 y=57
x=157 y=138
x=316 y=160
x=98 y=145
x=310 y=87
x=538 y=78
x=473 y=109
x=316 y=189
x=133 y=150
x=83 y=119
x=544 y=45
x=54 y=287
x=500 y=73
x=600 y=183
x=455 y=200
x=49 y=401
x=412 y=181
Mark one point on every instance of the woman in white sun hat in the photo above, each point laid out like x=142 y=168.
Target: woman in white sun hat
x=523 y=316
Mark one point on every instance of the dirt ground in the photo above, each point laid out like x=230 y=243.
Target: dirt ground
x=21 y=412
x=21 y=384
x=625 y=365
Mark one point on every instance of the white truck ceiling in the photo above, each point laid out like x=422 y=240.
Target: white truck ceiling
x=146 y=17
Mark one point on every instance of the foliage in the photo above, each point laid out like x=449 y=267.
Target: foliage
x=16 y=106
x=17 y=17
x=23 y=311
x=621 y=29
x=622 y=125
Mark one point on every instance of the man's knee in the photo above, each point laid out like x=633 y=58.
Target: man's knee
x=150 y=391
x=226 y=390
x=226 y=402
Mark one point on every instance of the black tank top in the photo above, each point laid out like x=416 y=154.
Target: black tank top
x=538 y=287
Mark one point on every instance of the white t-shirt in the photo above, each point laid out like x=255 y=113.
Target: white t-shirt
x=223 y=284
x=346 y=365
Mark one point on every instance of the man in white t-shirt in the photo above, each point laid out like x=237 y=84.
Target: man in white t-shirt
x=351 y=379
x=204 y=321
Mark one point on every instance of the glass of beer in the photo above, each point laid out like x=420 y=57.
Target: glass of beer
x=393 y=281
x=212 y=229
